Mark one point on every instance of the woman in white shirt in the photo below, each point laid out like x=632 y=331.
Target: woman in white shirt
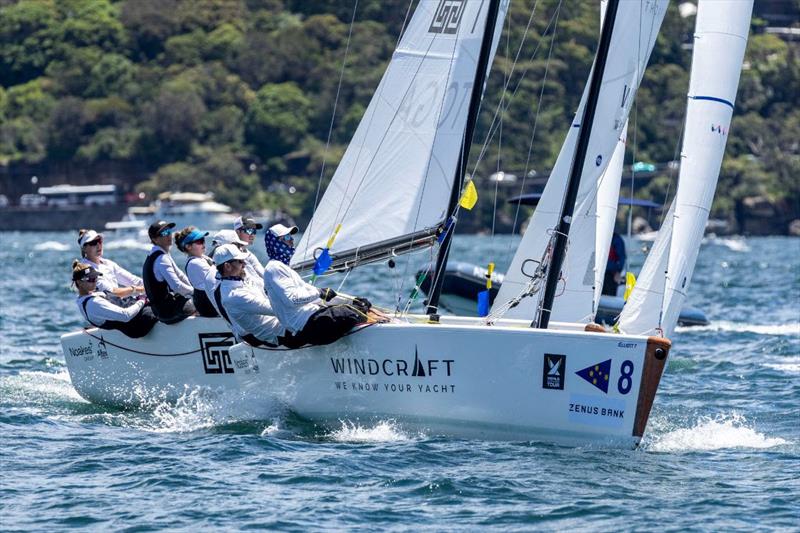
x=192 y=242
x=119 y=285
x=134 y=321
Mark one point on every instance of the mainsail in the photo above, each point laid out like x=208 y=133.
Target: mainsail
x=720 y=40
x=392 y=187
x=636 y=28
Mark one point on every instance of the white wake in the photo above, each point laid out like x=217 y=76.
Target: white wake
x=721 y=432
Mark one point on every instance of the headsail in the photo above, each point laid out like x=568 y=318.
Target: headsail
x=721 y=33
x=393 y=184
x=636 y=28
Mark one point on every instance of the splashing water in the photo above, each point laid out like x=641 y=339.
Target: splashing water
x=721 y=432
x=793 y=328
x=384 y=431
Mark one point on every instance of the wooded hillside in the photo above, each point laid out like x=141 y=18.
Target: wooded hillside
x=236 y=97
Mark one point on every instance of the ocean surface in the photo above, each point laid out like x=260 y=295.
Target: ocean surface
x=722 y=448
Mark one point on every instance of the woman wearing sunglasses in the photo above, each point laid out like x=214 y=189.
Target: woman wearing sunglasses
x=119 y=285
x=167 y=287
x=134 y=321
x=192 y=242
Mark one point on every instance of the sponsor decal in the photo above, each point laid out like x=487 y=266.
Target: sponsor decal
x=598 y=160
x=431 y=375
x=553 y=371
x=627 y=344
x=102 y=352
x=596 y=410
x=216 y=357
x=81 y=351
x=597 y=374
x=447 y=16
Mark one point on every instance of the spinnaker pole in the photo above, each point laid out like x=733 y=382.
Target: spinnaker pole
x=461 y=167
x=576 y=170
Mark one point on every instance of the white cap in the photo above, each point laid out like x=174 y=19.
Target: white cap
x=281 y=231
x=228 y=252
x=246 y=222
x=88 y=236
x=226 y=236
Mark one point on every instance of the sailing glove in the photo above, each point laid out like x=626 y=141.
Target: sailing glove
x=327 y=294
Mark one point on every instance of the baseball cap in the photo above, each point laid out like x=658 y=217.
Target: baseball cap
x=85 y=273
x=246 y=222
x=281 y=231
x=157 y=227
x=228 y=252
x=89 y=236
x=226 y=236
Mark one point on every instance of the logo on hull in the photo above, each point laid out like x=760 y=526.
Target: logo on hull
x=216 y=357
x=553 y=371
x=597 y=374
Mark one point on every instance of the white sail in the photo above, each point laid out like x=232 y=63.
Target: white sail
x=721 y=33
x=642 y=311
x=720 y=40
x=397 y=173
x=635 y=31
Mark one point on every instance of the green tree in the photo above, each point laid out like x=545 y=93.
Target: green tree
x=277 y=119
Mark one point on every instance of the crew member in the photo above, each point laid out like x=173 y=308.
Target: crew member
x=134 y=321
x=192 y=242
x=303 y=309
x=229 y=236
x=246 y=228
x=615 y=265
x=120 y=286
x=245 y=307
x=167 y=288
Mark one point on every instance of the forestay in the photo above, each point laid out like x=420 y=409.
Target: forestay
x=394 y=181
x=635 y=31
x=721 y=33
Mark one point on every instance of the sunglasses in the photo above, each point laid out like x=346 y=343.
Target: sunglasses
x=92 y=279
x=165 y=232
x=288 y=238
x=201 y=242
x=249 y=231
x=95 y=242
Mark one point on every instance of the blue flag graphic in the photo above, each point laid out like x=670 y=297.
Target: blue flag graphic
x=597 y=374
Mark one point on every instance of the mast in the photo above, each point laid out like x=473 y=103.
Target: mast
x=461 y=167
x=568 y=208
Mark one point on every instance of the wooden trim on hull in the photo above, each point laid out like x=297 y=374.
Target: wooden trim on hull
x=655 y=358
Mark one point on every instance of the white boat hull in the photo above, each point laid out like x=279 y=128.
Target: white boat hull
x=457 y=378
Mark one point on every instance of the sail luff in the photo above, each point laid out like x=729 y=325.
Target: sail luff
x=478 y=87
x=576 y=170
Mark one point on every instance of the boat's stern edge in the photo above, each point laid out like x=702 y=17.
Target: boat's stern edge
x=655 y=358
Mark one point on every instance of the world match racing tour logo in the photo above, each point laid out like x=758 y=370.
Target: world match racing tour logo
x=436 y=372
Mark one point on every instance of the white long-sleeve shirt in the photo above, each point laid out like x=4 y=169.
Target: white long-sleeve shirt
x=99 y=309
x=254 y=271
x=165 y=269
x=293 y=300
x=197 y=268
x=249 y=311
x=212 y=280
x=113 y=275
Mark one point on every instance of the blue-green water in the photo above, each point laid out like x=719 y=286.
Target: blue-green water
x=722 y=448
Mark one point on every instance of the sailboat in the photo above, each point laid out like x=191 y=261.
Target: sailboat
x=553 y=381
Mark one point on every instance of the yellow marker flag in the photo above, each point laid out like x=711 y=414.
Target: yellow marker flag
x=489 y=272
x=469 y=197
x=630 y=281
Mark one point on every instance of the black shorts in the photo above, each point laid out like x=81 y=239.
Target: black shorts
x=327 y=325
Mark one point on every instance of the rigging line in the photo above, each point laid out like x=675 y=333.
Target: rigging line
x=535 y=124
x=333 y=118
x=383 y=137
x=493 y=125
x=502 y=118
